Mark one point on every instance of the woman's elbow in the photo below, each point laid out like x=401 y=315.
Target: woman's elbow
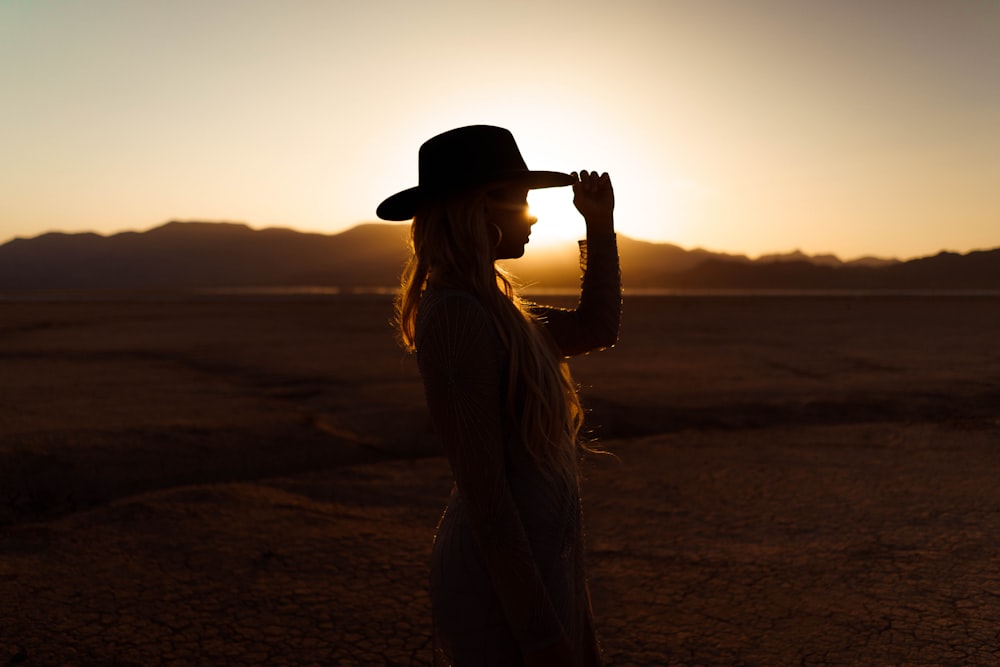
x=602 y=339
x=608 y=339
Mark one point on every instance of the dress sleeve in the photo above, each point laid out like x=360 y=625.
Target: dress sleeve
x=595 y=321
x=459 y=360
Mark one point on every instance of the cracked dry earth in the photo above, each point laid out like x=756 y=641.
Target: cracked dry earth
x=831 y=545
x=800 y=481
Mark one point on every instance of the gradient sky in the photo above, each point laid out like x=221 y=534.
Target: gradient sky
x=846 y=126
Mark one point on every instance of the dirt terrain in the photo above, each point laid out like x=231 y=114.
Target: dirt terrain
x=251 y=480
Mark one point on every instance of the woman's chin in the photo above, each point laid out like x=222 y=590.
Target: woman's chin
x=511 y=253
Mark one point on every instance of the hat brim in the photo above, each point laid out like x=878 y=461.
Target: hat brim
x=404 y=204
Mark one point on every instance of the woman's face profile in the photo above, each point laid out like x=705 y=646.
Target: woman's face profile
x=508 y=209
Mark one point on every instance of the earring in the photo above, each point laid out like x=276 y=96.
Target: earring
x=499 y=235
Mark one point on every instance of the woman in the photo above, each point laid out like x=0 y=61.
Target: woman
x=507 y=578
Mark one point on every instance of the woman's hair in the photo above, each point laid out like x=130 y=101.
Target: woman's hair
x=451 y=238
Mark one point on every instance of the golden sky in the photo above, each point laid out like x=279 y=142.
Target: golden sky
x=847 y=126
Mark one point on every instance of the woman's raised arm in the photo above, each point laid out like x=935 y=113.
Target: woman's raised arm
x=595 y=322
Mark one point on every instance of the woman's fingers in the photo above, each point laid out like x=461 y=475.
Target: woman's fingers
x=591 y=181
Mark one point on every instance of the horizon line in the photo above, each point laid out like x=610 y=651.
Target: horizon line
x=349 y=227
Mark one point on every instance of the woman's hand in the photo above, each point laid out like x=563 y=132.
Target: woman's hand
x=594 y=198
x=559 y=654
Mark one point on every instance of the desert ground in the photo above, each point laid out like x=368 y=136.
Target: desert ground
x=211 y=480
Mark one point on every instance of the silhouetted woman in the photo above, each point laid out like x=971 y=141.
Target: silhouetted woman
x=507 y=577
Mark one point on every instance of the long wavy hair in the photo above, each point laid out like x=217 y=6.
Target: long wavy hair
x=450 y=237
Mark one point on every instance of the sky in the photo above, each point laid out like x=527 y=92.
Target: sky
x=853 y=127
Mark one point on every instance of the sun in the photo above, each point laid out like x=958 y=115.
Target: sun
x=558 y=220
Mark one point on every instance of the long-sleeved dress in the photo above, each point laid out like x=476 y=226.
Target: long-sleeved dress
x=507 y=572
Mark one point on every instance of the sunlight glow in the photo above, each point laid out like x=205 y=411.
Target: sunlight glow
x=558 y=220
x=728 y=128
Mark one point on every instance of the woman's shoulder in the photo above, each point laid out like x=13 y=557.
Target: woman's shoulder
x=449 y=298
x=445 y=308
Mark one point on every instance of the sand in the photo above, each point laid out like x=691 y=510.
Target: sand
x=798 y=481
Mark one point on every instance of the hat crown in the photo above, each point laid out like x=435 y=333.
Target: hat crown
x=468 y=156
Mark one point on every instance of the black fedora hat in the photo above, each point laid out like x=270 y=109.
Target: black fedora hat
x=464 y=159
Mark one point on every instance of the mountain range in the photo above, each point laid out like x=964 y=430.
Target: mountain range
x=188 y=255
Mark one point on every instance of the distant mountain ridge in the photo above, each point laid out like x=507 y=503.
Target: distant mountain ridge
x=204 y=255
x=188 y=255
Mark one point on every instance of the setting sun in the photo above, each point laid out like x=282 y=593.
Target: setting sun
x=558 y=220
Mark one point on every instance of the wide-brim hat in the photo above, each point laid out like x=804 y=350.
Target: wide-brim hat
x=464 y=159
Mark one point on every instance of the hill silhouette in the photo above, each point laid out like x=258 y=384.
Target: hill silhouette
x=204 y=255
x=186 y=255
